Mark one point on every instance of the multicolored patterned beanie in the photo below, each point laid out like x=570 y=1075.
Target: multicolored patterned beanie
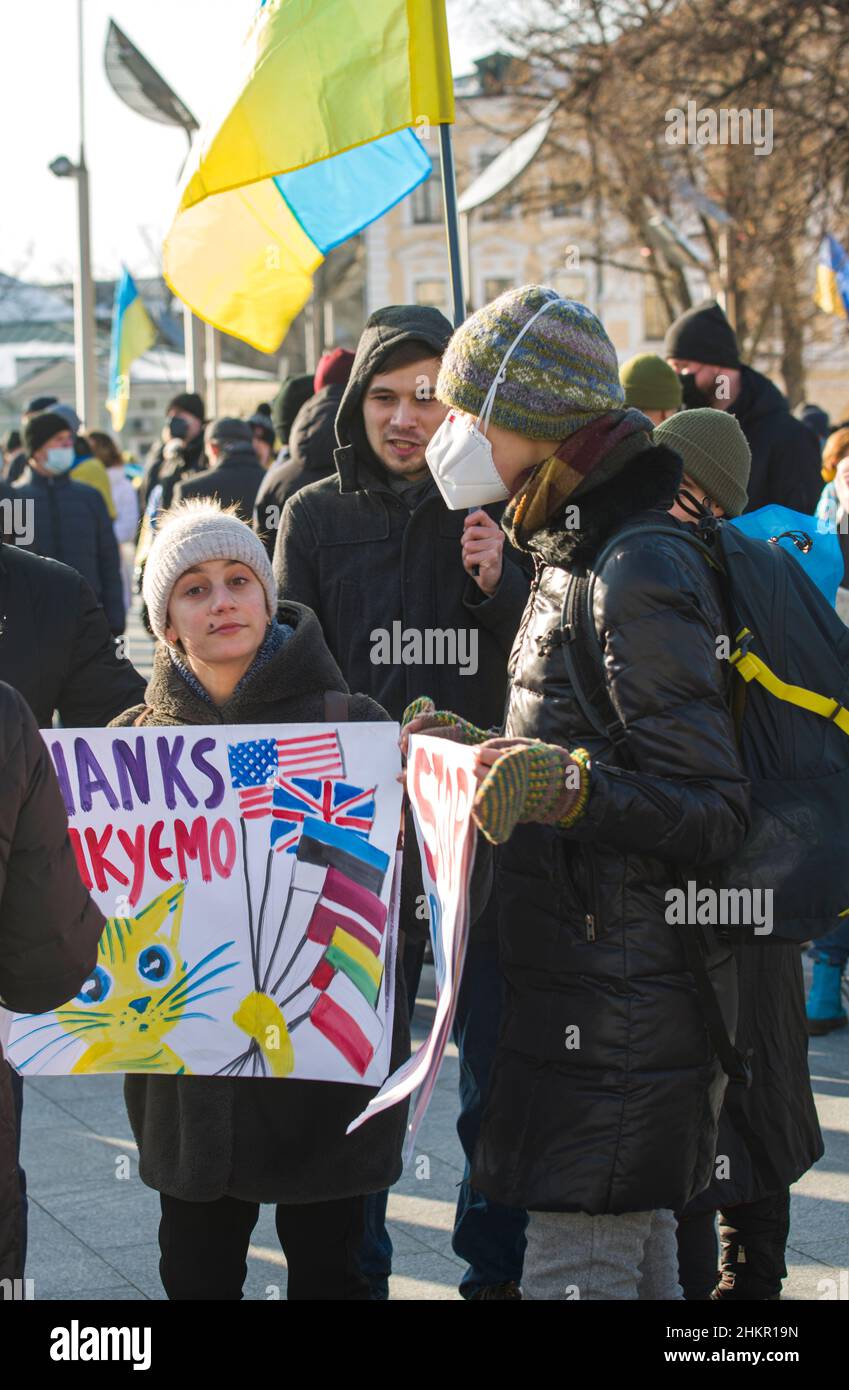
x=562 y=375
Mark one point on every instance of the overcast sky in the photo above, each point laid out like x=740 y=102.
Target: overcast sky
x=133 y=163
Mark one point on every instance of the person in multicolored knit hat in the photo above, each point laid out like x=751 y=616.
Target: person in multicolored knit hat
x=616 y=771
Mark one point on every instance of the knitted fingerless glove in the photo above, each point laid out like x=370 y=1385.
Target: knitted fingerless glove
x=539 y=782
x=457 y=729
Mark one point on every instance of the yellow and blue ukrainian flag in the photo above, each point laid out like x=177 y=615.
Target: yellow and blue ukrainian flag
x=318 y=142
x=132 y=334
x=832 y=291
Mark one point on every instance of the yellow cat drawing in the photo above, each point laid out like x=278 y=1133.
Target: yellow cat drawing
x=139 y=990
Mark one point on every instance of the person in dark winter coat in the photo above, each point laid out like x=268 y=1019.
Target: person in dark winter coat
x=216 y=1147
x=262 y=435
x=295 y=392
x=356 y=546
x=49 y=926
x=179 y=456
x=606 y=1090
x=769 y=1134
x=14 y=458
x=234 y=474
x=73 y=667
x=70 y=520
x=312 y=444
x=702 y=347
x=409 y=592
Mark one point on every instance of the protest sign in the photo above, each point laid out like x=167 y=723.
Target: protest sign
x=247 y=877
x=441 y=786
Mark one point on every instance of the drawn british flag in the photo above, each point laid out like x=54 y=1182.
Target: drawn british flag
x=297 y=799
x=258 y=764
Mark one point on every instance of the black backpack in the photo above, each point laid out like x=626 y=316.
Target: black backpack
x=790 y=692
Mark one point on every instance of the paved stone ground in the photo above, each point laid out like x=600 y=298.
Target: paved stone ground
x=93 y=1233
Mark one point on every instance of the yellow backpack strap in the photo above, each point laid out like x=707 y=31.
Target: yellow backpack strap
x=752 y=668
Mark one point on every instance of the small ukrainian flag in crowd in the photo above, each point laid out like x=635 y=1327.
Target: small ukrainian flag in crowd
x=317 y=142
x=832 y=291
x=132 y=334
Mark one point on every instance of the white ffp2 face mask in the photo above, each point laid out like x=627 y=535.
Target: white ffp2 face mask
x=460 y=459
x=460 y=456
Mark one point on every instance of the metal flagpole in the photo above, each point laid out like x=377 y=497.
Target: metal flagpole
x=84 y=346
x=452 y=224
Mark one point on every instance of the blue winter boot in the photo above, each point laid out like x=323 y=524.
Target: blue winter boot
x=823 y=1008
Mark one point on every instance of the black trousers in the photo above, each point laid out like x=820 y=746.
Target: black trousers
x=753 y=1237
x=204 y=1248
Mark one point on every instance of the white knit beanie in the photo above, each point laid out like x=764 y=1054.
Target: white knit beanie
x=189 y=534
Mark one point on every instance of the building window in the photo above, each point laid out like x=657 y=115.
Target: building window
x=493 y=286
x=427 y=198
x=655 y=316
x=147 y=405
x=571 y=284
x=433 y=293
x=503 y=206
x=567 y=198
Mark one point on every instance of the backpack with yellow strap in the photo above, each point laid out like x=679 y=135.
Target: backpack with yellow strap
x=790 y=700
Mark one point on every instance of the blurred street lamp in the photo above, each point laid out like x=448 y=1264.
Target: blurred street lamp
x=85 y=373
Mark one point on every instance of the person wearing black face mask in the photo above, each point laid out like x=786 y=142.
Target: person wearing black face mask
x=702 y=347
x=180 y=453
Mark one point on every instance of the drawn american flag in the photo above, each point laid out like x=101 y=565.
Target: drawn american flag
x=257 y=765
x=298 y=799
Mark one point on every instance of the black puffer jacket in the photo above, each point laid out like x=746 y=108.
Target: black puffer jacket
x=49 y=926
x=312 y=443
x=625 y=1121
x=785 y=454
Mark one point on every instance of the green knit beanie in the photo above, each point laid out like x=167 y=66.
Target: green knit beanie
x=714 y=452
x=650 y=383
x=562 y=374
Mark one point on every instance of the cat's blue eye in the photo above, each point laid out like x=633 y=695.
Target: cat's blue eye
x=155 y=964
x=96 y=987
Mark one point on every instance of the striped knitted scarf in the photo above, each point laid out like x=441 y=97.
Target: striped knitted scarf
x=553 y=482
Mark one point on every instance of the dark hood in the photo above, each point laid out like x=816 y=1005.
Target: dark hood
x=758 y=397
x=313 y=438
x=385 y=330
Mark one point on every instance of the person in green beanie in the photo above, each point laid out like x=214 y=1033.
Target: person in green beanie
x=716 y=457
x=605 y=1091
x=769 y=1130
x=651 y=385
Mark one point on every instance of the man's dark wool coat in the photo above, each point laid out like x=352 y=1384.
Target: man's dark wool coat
x=785 y=453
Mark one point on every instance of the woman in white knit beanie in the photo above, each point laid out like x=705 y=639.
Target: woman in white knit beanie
x=216 y=1148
